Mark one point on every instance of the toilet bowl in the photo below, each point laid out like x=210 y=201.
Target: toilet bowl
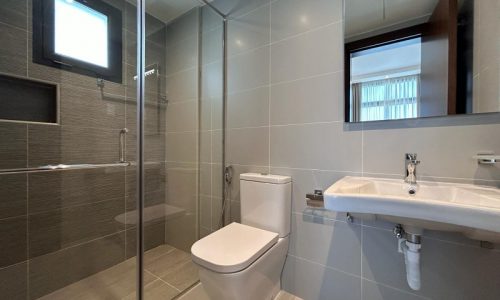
x=245 y=261
x=248 y=275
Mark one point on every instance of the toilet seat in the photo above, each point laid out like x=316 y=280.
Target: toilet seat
x=232 y=248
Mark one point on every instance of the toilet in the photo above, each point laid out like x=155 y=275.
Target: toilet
x=244 y=261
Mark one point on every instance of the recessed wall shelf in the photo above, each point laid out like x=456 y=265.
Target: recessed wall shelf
x=28 y=100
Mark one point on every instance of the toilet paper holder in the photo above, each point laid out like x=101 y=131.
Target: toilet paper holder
x=315 y=199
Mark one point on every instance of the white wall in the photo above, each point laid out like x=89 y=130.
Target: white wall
x=285 y=116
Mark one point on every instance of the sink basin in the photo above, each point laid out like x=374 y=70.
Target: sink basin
x=470 y=209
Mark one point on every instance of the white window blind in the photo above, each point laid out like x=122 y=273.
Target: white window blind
x=387 y=99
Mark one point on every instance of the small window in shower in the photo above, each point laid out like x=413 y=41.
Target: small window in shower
x=81 y=36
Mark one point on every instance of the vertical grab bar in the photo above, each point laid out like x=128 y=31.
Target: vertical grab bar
x=121 y=153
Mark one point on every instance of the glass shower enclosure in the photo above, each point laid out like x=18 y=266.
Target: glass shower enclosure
x=111 y=146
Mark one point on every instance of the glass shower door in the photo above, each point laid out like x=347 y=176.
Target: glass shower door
x=69 y=206
x=67 y=157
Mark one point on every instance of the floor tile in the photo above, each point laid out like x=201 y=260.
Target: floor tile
x=119 y=281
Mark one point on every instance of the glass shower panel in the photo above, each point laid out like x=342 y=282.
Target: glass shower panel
x=68 y=157
x=211 y=123
x=183 y=62
x=66 y=187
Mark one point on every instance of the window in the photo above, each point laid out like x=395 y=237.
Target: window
x=384 y=81
x=81 y=36
x=387 y=99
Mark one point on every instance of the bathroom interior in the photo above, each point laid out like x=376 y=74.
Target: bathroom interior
x=250 y=149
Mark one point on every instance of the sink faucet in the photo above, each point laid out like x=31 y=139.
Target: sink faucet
x=411 y=163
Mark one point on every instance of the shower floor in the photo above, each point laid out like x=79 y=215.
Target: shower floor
x=168 y=272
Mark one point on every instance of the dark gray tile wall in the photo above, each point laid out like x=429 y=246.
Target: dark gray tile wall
x=155 y=185
x=59 y=227
x=13 y=240
x=13 y=49
x=13 y=153
x=14 y=283
x=58 y=269
x=154 y=235
x=13 y=12
x=73 y=188
x=13 y=192
x=71 y=145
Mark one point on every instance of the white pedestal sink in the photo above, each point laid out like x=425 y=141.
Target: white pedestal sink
x=470 y=209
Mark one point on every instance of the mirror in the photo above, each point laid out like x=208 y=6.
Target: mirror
x=414 y=59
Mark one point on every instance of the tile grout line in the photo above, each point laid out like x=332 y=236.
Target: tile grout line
x=211 y=167
x=269 y=94
x=432 y=238
x=362 y=151
x=14 y=264
x=317 y=28
x=84 y=243
x=27 y=38
x=158 y=278
x=15 y=27
x=319 y=75
x=361 y=259
x=27 y=218
x=285 y=125
x=60 y=209
x=356 y=172
x=395 y=289
x=284 y=82
x=252 y=10
x=170 y=285
x=198 y=73
x=125 y=186
x=324 y=217
x=163 y=254
x=324 y=266
x=272 y=43
x=350 y=274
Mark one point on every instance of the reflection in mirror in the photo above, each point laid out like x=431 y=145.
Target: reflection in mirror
x=413 y=59
x=383 y=88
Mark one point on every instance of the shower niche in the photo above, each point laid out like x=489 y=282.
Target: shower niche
x=28 y=100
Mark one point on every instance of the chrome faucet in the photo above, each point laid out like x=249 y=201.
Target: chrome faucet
x=411 y=163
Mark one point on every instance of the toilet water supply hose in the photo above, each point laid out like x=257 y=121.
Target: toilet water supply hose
x=228 y=179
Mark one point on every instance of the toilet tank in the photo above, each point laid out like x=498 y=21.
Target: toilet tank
x=266 y=202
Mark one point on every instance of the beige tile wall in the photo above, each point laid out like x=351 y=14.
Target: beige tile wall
x=285 y=116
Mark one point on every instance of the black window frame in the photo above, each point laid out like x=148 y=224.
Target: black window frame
x=370 y=43
x=44 y=38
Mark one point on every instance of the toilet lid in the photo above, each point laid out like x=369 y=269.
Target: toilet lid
x=232 y=248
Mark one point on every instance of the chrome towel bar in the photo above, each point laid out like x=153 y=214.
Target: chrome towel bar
x=63 y=167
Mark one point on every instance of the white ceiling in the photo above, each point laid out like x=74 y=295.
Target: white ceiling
x=392 y=62
x=372 y=16
x=168 y=10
